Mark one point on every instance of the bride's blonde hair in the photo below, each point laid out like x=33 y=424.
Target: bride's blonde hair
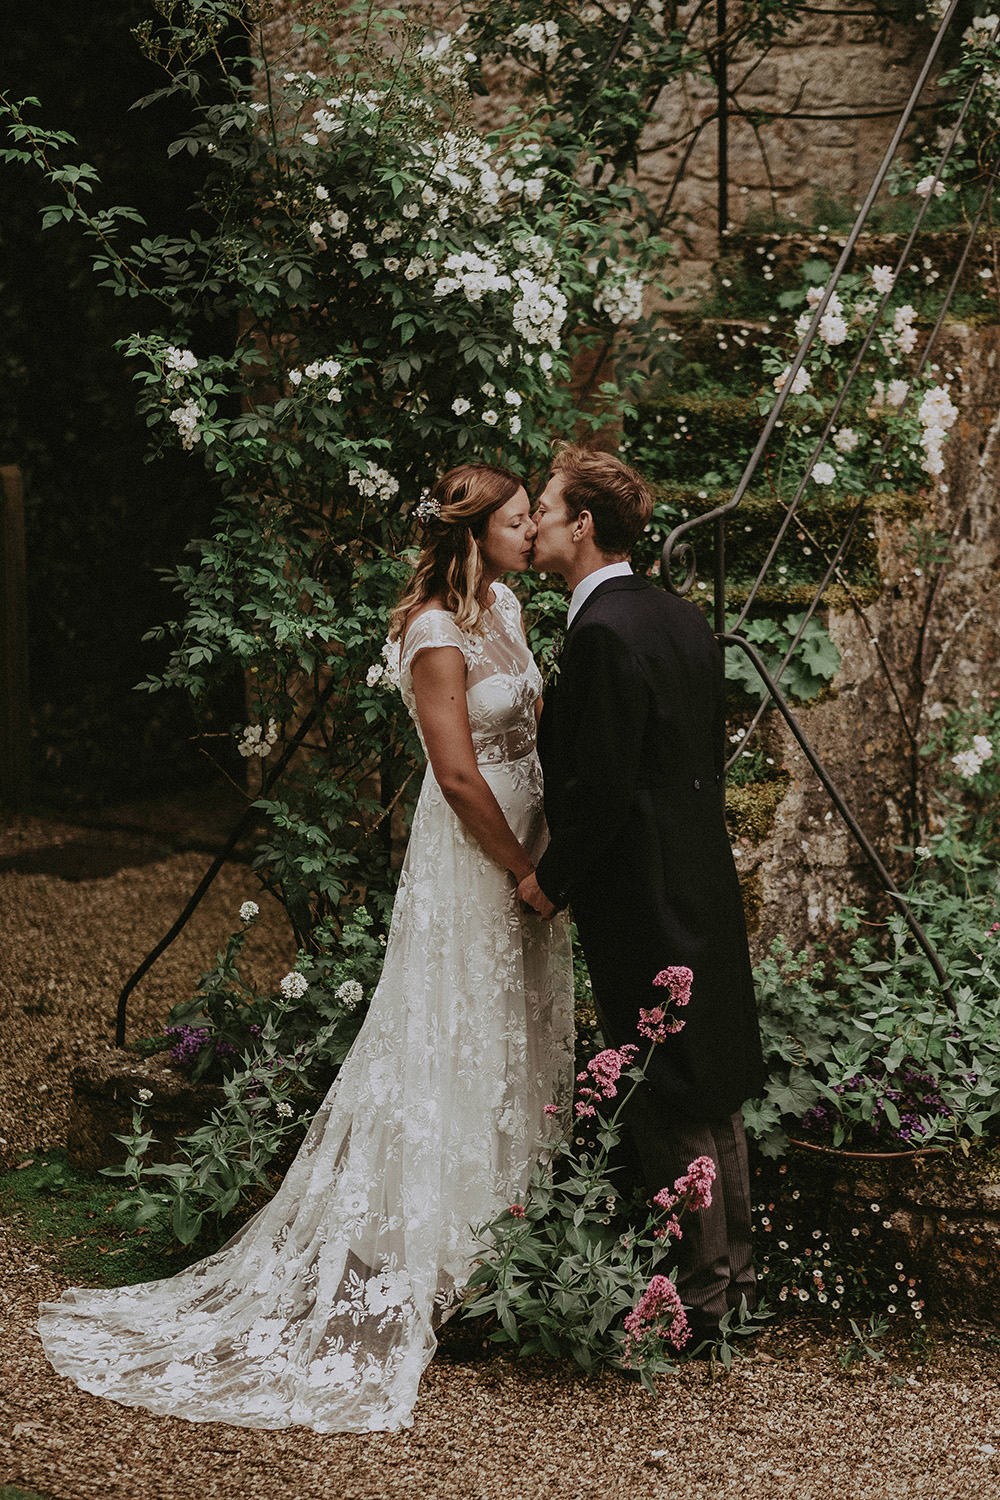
x=450 y=565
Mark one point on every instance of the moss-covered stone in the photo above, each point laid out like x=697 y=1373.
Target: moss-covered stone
x=751 y=809
x=752 y=892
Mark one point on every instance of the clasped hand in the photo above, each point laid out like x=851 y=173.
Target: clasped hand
x=531 y=893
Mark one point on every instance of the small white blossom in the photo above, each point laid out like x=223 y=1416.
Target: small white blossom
x=967 y=763
x=512 y=398
x=359 y=251
x=377 y=482
x=460 y=406
x=982 y=746
x=284 y=1109
x=374 y=674
x=338 y=221
x=922 y=851
x=256 y=740
x=144 y=1095
x=926 y=184
x=294 y=985
x=322 y=193
x=824 y=473
x=883 y=279
x=248 y=911
x=801 y=382
x=490 y=417
x=832 y=328
x=845 y=440
x=350 y=994
x=185 y=419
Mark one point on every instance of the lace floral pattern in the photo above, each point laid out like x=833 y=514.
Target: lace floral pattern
x=322 y=1310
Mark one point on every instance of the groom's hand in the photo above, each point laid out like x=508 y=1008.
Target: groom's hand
x=531 y=893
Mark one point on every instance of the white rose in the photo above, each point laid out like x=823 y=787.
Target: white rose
x=460 y=406
x=926 y=184
x=845 y=440
x=824 y=473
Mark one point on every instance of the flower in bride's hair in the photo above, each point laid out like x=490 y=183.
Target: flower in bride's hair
x=427 y=508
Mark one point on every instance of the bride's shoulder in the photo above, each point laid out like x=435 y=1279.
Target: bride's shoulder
x=430 y=624
x=505 y=597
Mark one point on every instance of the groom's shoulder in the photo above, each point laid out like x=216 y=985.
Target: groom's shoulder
x=638 y=606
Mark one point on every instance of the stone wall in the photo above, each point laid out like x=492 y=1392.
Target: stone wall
x=939 y=632
x=854 y=68
x=936 y=1216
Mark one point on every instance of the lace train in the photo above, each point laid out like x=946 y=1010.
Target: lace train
x=322 y=1310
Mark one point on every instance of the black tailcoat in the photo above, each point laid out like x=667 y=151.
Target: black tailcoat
x=631 y=742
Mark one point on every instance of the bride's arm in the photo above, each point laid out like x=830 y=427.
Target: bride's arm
x=439 y=690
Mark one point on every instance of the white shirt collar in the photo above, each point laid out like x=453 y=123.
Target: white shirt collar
x=587 y=585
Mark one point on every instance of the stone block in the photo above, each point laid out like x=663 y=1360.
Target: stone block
x=105 y=1090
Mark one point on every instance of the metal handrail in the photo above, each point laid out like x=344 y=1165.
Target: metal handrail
x=677 y=547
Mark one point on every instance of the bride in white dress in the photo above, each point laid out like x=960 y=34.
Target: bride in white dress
x=321 y=1312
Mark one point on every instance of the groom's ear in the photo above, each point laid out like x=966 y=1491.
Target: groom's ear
x=583 y=526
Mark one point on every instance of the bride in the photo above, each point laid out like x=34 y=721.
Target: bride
x=322 y=1310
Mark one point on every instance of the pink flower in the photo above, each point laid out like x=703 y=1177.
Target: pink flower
x=696 y=1184
x=516 y=1210
x=658 y=1313
x=657 y=1025
x=692 y=1191
x=550 y=1109
x=678 y=979
x=600 y=1077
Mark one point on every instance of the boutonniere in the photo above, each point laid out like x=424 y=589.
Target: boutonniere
x=550 y=654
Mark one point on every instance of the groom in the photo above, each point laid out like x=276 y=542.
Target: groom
x=631 y=744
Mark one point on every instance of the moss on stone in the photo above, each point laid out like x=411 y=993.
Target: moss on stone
x=752 y=892
x=751 y=809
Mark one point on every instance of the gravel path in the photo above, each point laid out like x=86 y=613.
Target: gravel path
x=786 y=1423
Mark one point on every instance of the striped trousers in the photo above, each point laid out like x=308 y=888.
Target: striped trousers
x=715 y=1255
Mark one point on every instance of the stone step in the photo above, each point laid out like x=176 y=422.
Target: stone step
x=799 y=564
x=758 y=266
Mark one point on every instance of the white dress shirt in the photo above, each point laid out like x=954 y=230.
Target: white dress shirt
x=587 y=585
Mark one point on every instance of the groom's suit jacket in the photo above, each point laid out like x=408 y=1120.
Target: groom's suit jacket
x=631 y=744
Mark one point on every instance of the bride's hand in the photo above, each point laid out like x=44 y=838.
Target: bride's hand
x=531 y=893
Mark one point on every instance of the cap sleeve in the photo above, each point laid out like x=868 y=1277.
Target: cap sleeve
x=435 y=627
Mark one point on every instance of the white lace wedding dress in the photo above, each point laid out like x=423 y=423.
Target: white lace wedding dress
x=322 y=1310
